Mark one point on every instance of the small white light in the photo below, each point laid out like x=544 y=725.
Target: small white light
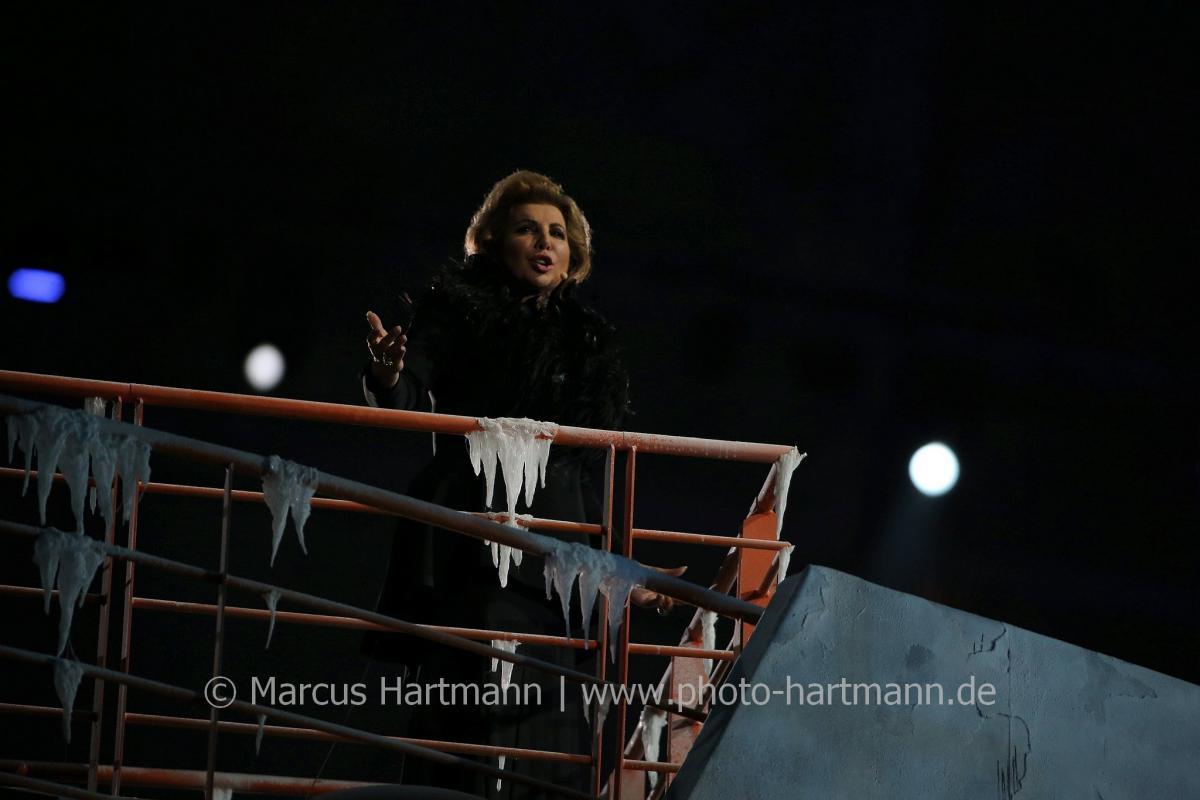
x=264 y=367
x=933 y=469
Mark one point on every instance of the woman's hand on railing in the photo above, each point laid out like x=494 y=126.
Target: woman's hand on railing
x=387 y=350
x=647 y=598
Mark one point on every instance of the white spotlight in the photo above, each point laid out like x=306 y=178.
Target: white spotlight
x=933 y=469
x=263 y=367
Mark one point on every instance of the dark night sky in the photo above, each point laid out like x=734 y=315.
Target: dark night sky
x=854 y=229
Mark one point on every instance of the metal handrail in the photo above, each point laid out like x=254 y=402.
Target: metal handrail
x=203 y=400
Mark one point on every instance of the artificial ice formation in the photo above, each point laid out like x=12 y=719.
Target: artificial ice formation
x=596 y=570
x=653 y=722
x=502 y=554
x=708 y=635
x=67 y=675
x=272 y=601
x=97 y=407
x=71 y=440
x=603 y=705
x=782 y=559
x=262 y=723
x=67 y=562
x=781 y=477
x=509 y=646
x=499 y=781
x=522 y=446
x=288 y=486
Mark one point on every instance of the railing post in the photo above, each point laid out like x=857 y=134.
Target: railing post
x=219 y=639
x=753 y=565
x=126 y=627
x=610 y=464
x=623 y=641
x=106 y=604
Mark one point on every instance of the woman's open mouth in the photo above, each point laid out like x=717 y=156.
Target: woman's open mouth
x=542 y=263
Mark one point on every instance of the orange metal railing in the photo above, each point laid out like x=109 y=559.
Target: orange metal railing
x=748 y=571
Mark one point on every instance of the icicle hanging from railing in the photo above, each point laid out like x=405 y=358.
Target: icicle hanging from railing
x=272 y=600
x=510 y=646
x=783 y=559
x=596 y=570
x=67 y=675
x=67 y=562
x=602 y=706
x=288 y=487
x=258 y=735
x=708 y=635
x=522 y=446
x=653 y=722
x=73 y=439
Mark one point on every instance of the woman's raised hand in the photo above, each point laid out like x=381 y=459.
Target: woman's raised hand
x=647 y=598
x=387 y=351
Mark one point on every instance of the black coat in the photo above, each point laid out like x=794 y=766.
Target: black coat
x=475 y=348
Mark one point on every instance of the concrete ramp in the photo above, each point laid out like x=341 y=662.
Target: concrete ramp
x=1063 y=722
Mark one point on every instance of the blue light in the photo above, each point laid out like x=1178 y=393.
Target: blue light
x=36 y=285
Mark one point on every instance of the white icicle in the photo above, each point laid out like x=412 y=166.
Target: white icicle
x=780 y=477
x=258 y=736
x=49 y=440
x=47 y=552
x=272 y=600
x=509 y=646
x=96 y=406
x=67 y=675
x=66 y=561
x=70 y=440
x=501 y=558
x=75 y=571
x=589 y=584
x=614 y=578
x=500 y=780
x=522 y=446
x=104 y=469
x=74 y=466
x=616 y=582
x=23 y=429
x=288 y=486
x=783 y=558
x=601 y=712
x=133 y=465
x=653 y=722
x=708 y=635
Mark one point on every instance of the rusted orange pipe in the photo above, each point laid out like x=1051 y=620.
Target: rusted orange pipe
x=646 y=443
x=332 y=621
x=288 y=732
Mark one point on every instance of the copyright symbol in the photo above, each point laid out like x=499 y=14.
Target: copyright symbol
x=220 y=692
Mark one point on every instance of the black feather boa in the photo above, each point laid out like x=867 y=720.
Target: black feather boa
x=548 y=357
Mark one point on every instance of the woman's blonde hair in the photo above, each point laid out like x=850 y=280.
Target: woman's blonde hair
x=486 y=228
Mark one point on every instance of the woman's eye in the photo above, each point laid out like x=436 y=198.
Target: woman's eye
x=560 y=234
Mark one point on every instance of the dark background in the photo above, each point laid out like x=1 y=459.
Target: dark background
x=855 y=228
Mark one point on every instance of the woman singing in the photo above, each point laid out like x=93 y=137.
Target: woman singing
x=503 y=334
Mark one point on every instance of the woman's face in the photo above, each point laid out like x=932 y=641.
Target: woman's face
x=534 y=246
